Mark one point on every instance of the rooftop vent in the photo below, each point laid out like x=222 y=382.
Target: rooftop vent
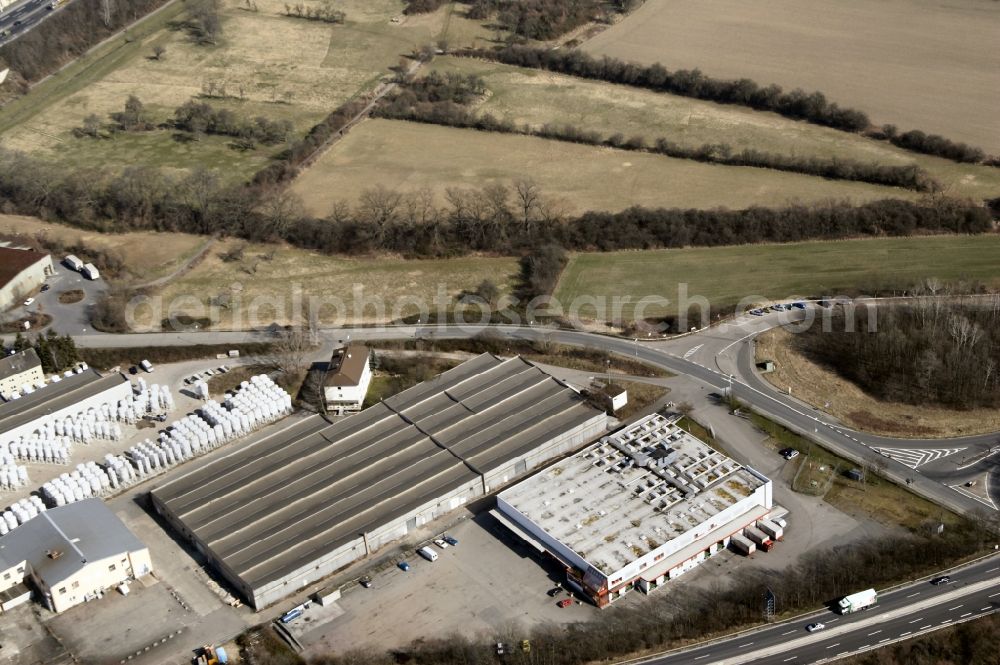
x=53 y=554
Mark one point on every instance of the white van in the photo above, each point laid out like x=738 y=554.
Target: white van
x=428 y=553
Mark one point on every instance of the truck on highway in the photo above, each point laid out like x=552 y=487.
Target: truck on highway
x=856 y=602
x=763 y=541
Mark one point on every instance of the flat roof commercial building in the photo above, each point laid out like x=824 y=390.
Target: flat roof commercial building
x=71 y=554
x=641 y=506
x=297 y=504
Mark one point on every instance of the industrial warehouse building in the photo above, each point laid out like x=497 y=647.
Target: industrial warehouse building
x=348 y=379
x=69 y=396
x=295 y=505
x=18 y=370
x=21 y=272
x=640 y=507
x=70 y=554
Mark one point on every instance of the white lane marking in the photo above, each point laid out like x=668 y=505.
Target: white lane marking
x=952 y=609
x=744 y=645
x=925 y=627
x=992 y=569
x=993 y=594
x=864 y=646
x=700 y=657
x=983 y=609
x=917 y=457
x=788 y=659
x=916 y=620
x=913 y=594
x=967 y=614
x=834 y=645
x=883 y=641
x=693 y=350
x=832 y=620
x=905 y=634
x=788 y=633
x=946 y=621
x=986 y=501
x=875 y=633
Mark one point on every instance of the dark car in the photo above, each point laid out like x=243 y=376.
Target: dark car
x=133 y=370
x=366 y=582
x=403 y=566
x=788 y=453
x=451 y=541
x=944 y=579
x=45 y=287
x=554 y=591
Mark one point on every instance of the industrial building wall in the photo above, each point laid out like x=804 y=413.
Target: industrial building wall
x=541 y=535
x=376 y=539
x=26 y=281
x=95 y=576
x=560 y=445
x=110 y=396
x=14 y=382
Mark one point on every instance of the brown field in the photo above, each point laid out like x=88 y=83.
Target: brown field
x=261 y=288
x=918 y=64
x=287 y=68
x=533 y=97
x=407 y=156
x=147 y=255
x=817 y=385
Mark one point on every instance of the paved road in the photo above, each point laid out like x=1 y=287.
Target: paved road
x=26 y=14
x=903 y=613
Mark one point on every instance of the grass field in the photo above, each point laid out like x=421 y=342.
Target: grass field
x=725 y=275
x=914 y=63
x=287 y=68
x=262 y=288
x=408 y=156
x=147 y=255
x=528 y=96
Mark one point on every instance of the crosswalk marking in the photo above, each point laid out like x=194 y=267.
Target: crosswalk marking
x=917 y=456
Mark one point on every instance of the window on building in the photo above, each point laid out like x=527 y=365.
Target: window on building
x=62 y=589
x=6 y=576
x=21 y=569
x=76 y=585
x=111 y=567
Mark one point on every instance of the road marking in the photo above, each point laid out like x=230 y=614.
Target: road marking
x=744 y=645
x=834 y=645
x=992 y=569
x=946 y=621
x=983 y=609
x=952 y=609
x=916 y=620
x=864 y=646
x=875 y=633
x=913 y=594
x=925 y=627
x=993 y=594
x=700 y=657
x=883 y=641
x=832 y=620
x=967 y=614
x=788 y=633
x=788 y=659
x=693 y=350
x=916 y=457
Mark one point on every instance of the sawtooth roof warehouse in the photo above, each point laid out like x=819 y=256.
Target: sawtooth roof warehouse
x=297 y=504
x=641 y=506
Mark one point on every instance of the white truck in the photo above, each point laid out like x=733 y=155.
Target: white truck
x=856 y=602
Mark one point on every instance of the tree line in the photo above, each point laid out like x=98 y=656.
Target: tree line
x=796 y=104
x=928 y=352
x=68 y=33
x=674 y=617
x=326 y=13
x=441 y=100
x=537 y=19
x=202 y=118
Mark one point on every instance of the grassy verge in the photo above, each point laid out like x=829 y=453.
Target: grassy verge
x=108 y=358
x=874 y=497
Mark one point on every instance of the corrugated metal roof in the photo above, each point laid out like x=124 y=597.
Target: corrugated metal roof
x=293 y=495
x=55 y=397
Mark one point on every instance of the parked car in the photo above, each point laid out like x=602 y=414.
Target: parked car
x=944 y=579
x=799 y=305
x=403 y=566
x=28 y=301
x=788 y=453
x=813 y=627
x=565 y=602
x=366 y=582
x=133 y=370
x=45 y=287
x=451 y=541
x=440 y=543
x=554 y=591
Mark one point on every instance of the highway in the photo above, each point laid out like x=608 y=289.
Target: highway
x=903 y=613
x=20 y=17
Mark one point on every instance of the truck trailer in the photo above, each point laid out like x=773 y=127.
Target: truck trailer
x=744 y=546
x=771 y=528
x=856 y=602
x=762 y=540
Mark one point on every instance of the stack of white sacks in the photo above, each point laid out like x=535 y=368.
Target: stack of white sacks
x=258 y=402
x=19 y=513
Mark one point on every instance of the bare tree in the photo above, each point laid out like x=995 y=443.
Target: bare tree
x=107 y=6
x=528 y=199
x=159 y=51
x=290 y=352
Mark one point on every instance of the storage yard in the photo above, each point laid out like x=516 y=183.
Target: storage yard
x=638 y=508
x=298 y=503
